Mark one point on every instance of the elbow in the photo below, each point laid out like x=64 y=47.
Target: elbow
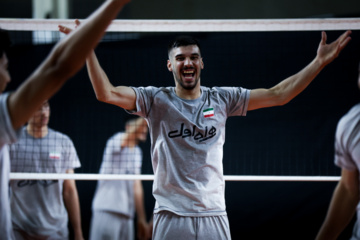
x=283 y=101
x=67 y=194
x=280 y=99
x=103 y=97
x=100 y=97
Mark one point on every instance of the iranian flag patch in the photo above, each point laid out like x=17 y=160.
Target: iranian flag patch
x=54 y=155
x=208 y=112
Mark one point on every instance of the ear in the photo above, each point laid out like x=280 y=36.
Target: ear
x=169 y=65
x=202 y=64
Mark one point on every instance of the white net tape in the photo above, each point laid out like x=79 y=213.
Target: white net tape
x=148 y=177
x=194 y=25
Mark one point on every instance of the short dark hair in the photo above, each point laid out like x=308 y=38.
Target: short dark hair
x=182 y=41
x=4 y=41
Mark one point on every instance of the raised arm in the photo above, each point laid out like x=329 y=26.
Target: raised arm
x=121 y=96
x=66 y=58
x=342 y=206
x=289 y=88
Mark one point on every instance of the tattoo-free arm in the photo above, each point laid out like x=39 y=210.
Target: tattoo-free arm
x=66 y=58
x=71 y=201
x=289 y=88
x=342 y=206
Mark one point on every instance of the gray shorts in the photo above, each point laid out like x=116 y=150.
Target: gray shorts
x=111 y=226
x=169 y=226
x=23 y=235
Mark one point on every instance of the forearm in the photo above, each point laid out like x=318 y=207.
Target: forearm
x=121 y=96
x=71 y=201
x=98 y=78
x=286 y=90
x=341 y=210
x=139 y=201
x=67 y=57
x=289 y=88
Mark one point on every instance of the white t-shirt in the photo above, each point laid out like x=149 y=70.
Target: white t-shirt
x=7 y=135
x=187 y=138
x=113 y=195
x=37 y=205
x=347 y=143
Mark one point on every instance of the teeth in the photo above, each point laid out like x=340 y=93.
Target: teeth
x=188 y=71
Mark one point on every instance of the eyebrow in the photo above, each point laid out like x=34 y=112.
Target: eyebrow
x=193 y=54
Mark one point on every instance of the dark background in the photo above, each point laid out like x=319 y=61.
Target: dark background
x=198 y=9
x=293 y=140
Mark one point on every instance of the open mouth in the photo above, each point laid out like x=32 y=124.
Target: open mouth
x=188 y=74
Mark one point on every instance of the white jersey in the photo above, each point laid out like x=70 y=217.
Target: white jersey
x=37 y=205
x=187 y=138
x=118 y=196
x=347 y=143
x=7 y=135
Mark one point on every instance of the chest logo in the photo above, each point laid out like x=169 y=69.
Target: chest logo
x=194 y=132
x=54 y=155
x=208 y=112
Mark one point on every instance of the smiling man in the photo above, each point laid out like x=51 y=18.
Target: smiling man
x=187 y=130
x=186 y=64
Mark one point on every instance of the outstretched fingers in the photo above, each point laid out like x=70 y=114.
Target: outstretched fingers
x=344 y=39
x=328 y=52
x=323 y=38
x=67 y=30
x=64 y=29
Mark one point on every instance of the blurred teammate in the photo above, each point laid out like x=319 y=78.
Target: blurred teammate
x=66 y=58
x=187 y=131
x=115 y=201
x=345 y=200
x=41 y=209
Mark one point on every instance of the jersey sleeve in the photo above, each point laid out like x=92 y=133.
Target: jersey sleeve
x=7 y=133
x=343 y=156
x=236 y=99
x=71 y=157
x=144 y=100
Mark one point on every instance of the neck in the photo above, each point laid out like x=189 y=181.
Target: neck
x=37 y=132
x=128 y=141
x=188 y=94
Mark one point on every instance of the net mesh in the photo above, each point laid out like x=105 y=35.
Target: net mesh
x=295 y=140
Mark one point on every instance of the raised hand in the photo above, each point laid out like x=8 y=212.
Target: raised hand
x=67 y=30
x=326 y=53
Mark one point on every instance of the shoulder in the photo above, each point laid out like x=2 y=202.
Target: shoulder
x=116 y=136
x=351 y=116
x=225 y=91
x=115 y=139
x=3 y=97
x=58 y=135
x=350 y=122
x=4 y=114
x=151 y=90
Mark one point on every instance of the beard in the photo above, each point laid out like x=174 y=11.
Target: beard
x=187 y=86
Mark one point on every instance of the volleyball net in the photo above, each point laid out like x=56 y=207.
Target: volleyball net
x=290 y=143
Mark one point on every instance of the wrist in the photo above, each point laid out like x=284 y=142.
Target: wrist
x=319 y=63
